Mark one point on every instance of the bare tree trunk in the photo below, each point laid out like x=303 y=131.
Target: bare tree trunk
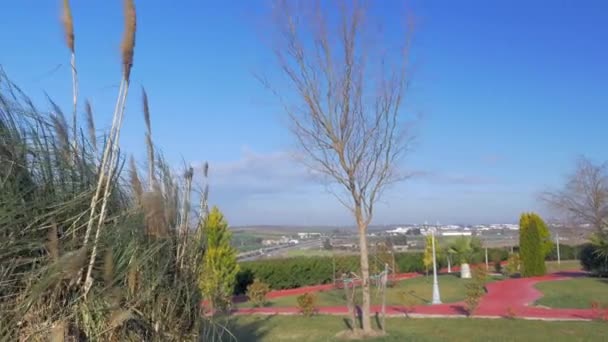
x=365 y=285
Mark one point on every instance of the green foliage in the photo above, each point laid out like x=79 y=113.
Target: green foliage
x=593 y=261
x=307 y=304
x=300 y=271
x=219 y=267
x=411 y=262
x=257 y=291
x=475 y=289
x=534 y=244
x=567 y=252
x=305 y=271
x=497 y=267
x=383 y=255
x=466 y=249
x=427 y=258
x=513 y=265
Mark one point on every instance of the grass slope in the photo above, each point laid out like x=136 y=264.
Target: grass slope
x=324 y=328
x=573 y=293
x=418 y=291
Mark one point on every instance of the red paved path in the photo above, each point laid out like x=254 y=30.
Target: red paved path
x=511 y=296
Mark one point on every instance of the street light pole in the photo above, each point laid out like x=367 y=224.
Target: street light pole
x=487 y=266
x=436 y=296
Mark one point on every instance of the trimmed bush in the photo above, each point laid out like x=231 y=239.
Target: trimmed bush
x=534 y=244
x=513 y=265
x=257 y=291
x=307 y=304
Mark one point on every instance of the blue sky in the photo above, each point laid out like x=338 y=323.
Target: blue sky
x=510 y=94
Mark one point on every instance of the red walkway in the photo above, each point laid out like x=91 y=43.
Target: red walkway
x=504 y=298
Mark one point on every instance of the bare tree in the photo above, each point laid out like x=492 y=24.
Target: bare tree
x=584 y=198
x=346 y=105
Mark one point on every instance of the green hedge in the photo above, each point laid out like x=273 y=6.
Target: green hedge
x=566 y=252
x=286 y=273
x=300 y=271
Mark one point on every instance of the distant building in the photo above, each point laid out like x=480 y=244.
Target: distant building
x=398 y=230
x=270 y=242
x=452 y=233
x=308 y=235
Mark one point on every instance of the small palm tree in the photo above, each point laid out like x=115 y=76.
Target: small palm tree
x=464 y=248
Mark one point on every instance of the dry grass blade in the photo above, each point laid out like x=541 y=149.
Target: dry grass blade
x=118 y=317
x=128 y=42
x=108 y=267
x=61 y=132
x=53 y=243
x=68 y=24
x=90 y=124
x=68 y=27
x=135 y=182
x=149 y=142
x=144 y=96
x=154 y=209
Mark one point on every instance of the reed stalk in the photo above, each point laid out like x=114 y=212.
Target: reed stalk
x=111 y=151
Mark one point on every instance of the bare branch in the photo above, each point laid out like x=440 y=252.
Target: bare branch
x=584 y=198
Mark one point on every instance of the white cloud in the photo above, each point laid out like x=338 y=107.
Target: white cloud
x=274 y=188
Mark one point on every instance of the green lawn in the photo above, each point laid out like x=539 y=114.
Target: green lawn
x=573 y=293
x=417 y=291
x=324 y=328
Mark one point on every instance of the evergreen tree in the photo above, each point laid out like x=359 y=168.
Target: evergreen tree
x=534 y=244
x=219 y=268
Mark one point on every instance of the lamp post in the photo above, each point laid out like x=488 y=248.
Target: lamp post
x=487 y=266
x=436 y=296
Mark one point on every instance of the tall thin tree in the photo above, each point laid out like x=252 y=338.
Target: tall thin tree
x=346 y=108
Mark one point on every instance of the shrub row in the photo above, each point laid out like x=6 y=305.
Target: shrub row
x=566 y=252
x=305 y=271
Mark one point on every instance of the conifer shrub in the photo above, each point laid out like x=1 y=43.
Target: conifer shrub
x=307 y=304
x=534 y=245
x=257 y=291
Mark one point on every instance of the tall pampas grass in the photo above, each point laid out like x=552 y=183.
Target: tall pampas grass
x=184 y=216
x=51 y=251
x=68 y=27
x=128 y=41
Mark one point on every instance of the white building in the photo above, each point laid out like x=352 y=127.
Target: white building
x=308 y=235
x=453 y=233
x=398 y=230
